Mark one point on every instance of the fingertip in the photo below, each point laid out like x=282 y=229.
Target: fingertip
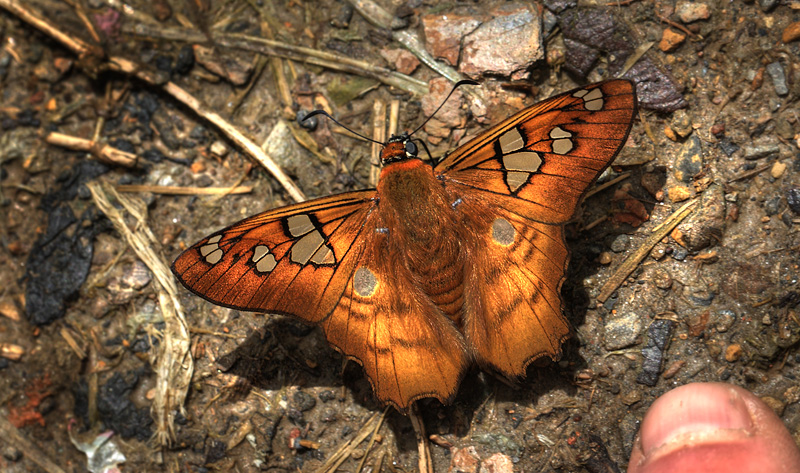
x=719 y=426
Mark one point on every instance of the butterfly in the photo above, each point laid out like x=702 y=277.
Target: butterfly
x=440 y=267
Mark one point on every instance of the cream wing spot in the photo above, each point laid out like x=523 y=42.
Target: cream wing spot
x=503 y=233
x=562 y=140
x=593 y=101
x=311 y=244
x=511 y=141
x=525 y=161
x=365 y=283
x=304 y=249
x=264 y=260
x=516 y=179
x=211 y=250
x=324 y=255
x=214 y=257
x=299 y=225
x=517 y=164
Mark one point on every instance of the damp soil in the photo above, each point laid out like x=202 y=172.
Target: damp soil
x=81 y=323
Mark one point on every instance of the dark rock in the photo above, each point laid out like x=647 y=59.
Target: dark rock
x=658 y=336
x=793 y=199
x=689 y=162
x=304 y=401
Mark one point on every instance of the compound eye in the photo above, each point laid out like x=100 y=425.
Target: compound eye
x=411 y=148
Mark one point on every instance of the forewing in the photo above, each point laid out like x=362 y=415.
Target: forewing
x=293 y=260
x=540 y=161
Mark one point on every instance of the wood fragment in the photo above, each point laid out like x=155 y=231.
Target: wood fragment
x=301 y=54
x=686 y=30
x=425 y=462
x=179 y=190
x=381 y=18
x=343 y=452
x=594 y=190
x=11 y=351
x=379 y=135
x=103 y=152
x=67 y=336
x=749 y=174
x=10 y=310
x=372 y=441
x=631 y=262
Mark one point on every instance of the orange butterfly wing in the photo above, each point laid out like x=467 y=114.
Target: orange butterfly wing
x=294 y=260
x=540 y=161
x=519 y=182
x=325 y=262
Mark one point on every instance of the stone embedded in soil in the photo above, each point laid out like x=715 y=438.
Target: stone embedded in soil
x=689 y=162
x=791 y=32
x=486 y=50
x=776 y=72
x=793 y=199
x=704 y=227
x=443 y=34
x=622 y=331
x=733 y=352
x=464 y=460
x=658 y=335
x=689 y=12
x=679 y=193
x=777 y=170
x=402 y=60
x=497 y=463
x=759 y=151
x=671 y=40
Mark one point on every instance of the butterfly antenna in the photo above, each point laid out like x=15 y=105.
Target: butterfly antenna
x=457 y=85
x=323 y=112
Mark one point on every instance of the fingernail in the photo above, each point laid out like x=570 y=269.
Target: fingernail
x=693 y=409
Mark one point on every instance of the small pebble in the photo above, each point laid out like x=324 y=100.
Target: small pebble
x=679 y=193
x=630 y=397
x=681 y=123
x=198 y=166
x=760 y=151
x=692 y=11
x=620 y=243
x=604 y=258
x=776 y=405
x=498 y=463
x=767 y=5
x=218 y=148
x=12 y=454
x=791 y=32
x=662 y=279
x=733 y=352
x=775 y=71
x=777 y=169
x=671 y=40
x=793 y=199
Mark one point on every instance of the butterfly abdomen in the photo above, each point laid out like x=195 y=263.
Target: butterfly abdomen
x=421 y=220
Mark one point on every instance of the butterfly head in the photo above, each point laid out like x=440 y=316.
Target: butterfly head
x=398 y=148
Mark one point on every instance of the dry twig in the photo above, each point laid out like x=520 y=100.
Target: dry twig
x=631 y=262
x=174 y=365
